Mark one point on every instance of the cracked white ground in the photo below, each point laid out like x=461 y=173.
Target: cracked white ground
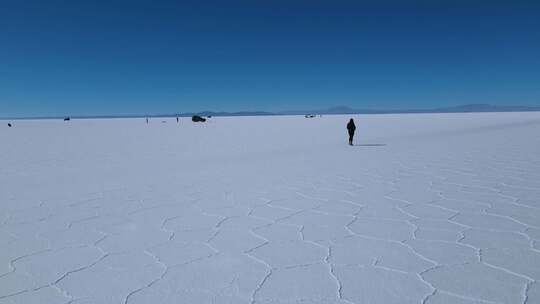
x=433 y=208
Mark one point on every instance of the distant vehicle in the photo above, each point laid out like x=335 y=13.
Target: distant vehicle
x=67 y=119
x=309 y=116
x=9 y=125
x=197 y=118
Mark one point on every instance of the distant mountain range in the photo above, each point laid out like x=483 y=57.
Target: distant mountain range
x=469 y=108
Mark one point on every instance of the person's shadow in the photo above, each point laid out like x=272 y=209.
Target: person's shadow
x=369 y=145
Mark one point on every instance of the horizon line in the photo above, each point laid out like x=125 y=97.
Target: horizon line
x=336 y=110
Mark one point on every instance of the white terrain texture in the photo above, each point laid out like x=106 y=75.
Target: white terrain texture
x=428 y=208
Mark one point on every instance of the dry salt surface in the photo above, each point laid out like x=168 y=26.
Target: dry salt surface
x=431 y=208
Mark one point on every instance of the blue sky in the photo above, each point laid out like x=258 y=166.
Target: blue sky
x=145 y=57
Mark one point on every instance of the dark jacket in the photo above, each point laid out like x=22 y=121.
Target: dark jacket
x=351 y=127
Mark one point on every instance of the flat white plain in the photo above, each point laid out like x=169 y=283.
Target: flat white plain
x=427 y=208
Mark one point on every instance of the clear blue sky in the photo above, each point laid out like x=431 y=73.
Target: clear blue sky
x=139 y=57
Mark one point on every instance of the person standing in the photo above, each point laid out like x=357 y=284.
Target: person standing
x=351 y=127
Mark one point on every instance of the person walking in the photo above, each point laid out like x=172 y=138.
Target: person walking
x=351 y=127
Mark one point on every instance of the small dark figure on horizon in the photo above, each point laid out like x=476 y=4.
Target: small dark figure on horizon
x=177 y=119
x=146 y=119
x=9 y=125
x=197 y=118
x=351 y=127
x=67 y=119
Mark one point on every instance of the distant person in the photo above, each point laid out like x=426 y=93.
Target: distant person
x=9 y=125
x=177 y=119
x=351 y=127
x=146 y=119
